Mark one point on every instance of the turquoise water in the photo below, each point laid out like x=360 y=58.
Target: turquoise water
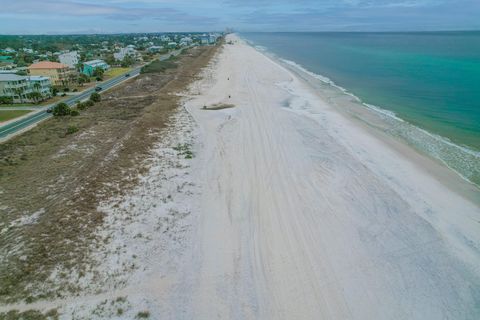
x=430 y=80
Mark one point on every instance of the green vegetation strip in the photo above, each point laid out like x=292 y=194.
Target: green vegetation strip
x=6 y=115
x=160 y=66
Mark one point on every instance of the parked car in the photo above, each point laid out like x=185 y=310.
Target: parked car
x=49 y=110
x=127 y=75
x=98 y=89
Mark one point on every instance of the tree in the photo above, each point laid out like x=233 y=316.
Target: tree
x=35 y=96
x=19 y=91
x=61 y=109
x=6 y=100
x=95 y=97
x=110 y=60
x=37 y=86
x=54 y=91
x=98 y=73
x=127 y=61
x=83 y=78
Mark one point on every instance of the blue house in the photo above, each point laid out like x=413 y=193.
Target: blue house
x=90 y=66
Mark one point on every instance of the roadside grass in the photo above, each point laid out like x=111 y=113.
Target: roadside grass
x=6 y=115
x=115 y=72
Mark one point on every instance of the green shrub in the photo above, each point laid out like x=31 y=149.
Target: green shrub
x=143 y=315
x=95 y=97
x=74 y=113
x=89 y=103
x=72 y=129
x=61 y=109
x=81 y=106
x=6 y=100
x=158 y=66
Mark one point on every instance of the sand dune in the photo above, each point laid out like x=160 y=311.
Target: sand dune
x=304 y=214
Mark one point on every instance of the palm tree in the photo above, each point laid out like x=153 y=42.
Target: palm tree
x=19 y=91
x=37 y=86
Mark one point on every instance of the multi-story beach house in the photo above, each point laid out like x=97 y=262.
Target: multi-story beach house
x=14 y=86
x=123 y=52
x=70 y=58
x=90 y=66
x=20 y=88
x=57 y=72
x=40 y=84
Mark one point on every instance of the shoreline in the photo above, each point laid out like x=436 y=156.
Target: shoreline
x=440 y=170
x=432 y=145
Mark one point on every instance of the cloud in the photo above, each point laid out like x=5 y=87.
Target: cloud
x=252 y=15
x=86 y=9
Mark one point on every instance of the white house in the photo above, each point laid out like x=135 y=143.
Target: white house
x=185 y=41
x=19 y=87
x=69 y=58
x=154 y=49
x=123 y=52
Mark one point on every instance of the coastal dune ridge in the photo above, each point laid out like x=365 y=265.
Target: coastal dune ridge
x=306 y=213
x=462 y=159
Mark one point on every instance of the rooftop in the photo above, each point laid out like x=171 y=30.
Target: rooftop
x=94 y=62
x=47 y=65
x=38 y=78
x=11 y=77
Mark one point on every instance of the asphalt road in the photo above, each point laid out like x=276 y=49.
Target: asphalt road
x=42 y=114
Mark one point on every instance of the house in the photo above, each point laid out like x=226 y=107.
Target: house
x=172 y=45
x=90 y=66
x=212 y=38
x=185 y=41
x=19 y=88
x=154 y=49
x=204 y=39
x=14 y=86
x=127 y=51
x=70 y=59
x=40 y=84
x=57 y=72
x=4 y=60
x=165 y=38
x=8 y=50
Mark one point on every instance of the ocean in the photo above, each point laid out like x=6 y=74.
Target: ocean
x=425 y=85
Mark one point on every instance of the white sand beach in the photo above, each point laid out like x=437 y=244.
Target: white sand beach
x=285 y=208
x=307 y=215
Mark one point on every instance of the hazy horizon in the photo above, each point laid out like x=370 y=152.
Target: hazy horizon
x=51 y=17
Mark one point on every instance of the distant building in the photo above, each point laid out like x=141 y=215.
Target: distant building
x=123 y=52
x=19 y=88
x=90 y=66
x=4 y=60
x=204 y=39
x=70 y=59
x=8 y=50
x=185 y=41
x=171 y=45
x=154 y=49
x=57 y=72
x=165 y=38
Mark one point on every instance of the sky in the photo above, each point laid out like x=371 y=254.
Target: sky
x=123 y=16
